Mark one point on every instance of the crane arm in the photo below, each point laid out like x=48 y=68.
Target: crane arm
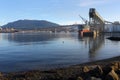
x=83 y=19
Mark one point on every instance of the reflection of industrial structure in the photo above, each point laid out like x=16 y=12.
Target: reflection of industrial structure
x=95 y=43
x=92 y=43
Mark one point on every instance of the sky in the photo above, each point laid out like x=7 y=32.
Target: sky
x=63 y=12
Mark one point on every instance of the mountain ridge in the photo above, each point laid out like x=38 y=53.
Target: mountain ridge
x=30 y=24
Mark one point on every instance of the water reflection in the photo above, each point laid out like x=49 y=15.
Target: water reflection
x=29 y=37
x=92 y=43
x=51 y=50
x=95 y=44
x=36 y=37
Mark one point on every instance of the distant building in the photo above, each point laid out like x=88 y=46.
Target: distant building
x=116 y=23
x=115 y=27
x=0 y=28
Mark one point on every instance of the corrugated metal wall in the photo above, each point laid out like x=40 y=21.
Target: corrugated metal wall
x=112 y=28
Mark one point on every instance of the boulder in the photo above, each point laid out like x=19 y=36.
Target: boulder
x=118 y=72
x=106 y=70
x=115 y=65
x=1 y=75
x=85 y=69
x=79 y=78
x=94 y=78
x=112 y=76
x=119 y=65
x=97 y=72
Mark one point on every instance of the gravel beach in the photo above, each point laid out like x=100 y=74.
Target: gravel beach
x=108 y=69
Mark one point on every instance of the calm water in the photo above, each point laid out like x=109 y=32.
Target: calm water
x=33 y=51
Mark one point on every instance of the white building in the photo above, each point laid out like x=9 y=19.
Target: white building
x=115 y=27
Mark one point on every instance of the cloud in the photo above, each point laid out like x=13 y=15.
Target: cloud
x=85 y=3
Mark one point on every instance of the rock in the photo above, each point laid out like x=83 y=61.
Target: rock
x=106 y=70
x=1 y=75
x=115 y=65
x=119 y=65
x=85 y=73
x=85 y=69
x=79 y=78
x=112 y=76
x=97 y=72
x=118 y=71
x=93 y=78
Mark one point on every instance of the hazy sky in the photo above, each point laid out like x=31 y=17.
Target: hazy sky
x=58 y=11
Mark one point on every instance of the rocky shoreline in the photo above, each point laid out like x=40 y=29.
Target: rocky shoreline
x=108 y=69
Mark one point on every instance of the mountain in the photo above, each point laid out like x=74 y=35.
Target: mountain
x=30 y=24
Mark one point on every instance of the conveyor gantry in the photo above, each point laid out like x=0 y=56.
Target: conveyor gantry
x=96 y=22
